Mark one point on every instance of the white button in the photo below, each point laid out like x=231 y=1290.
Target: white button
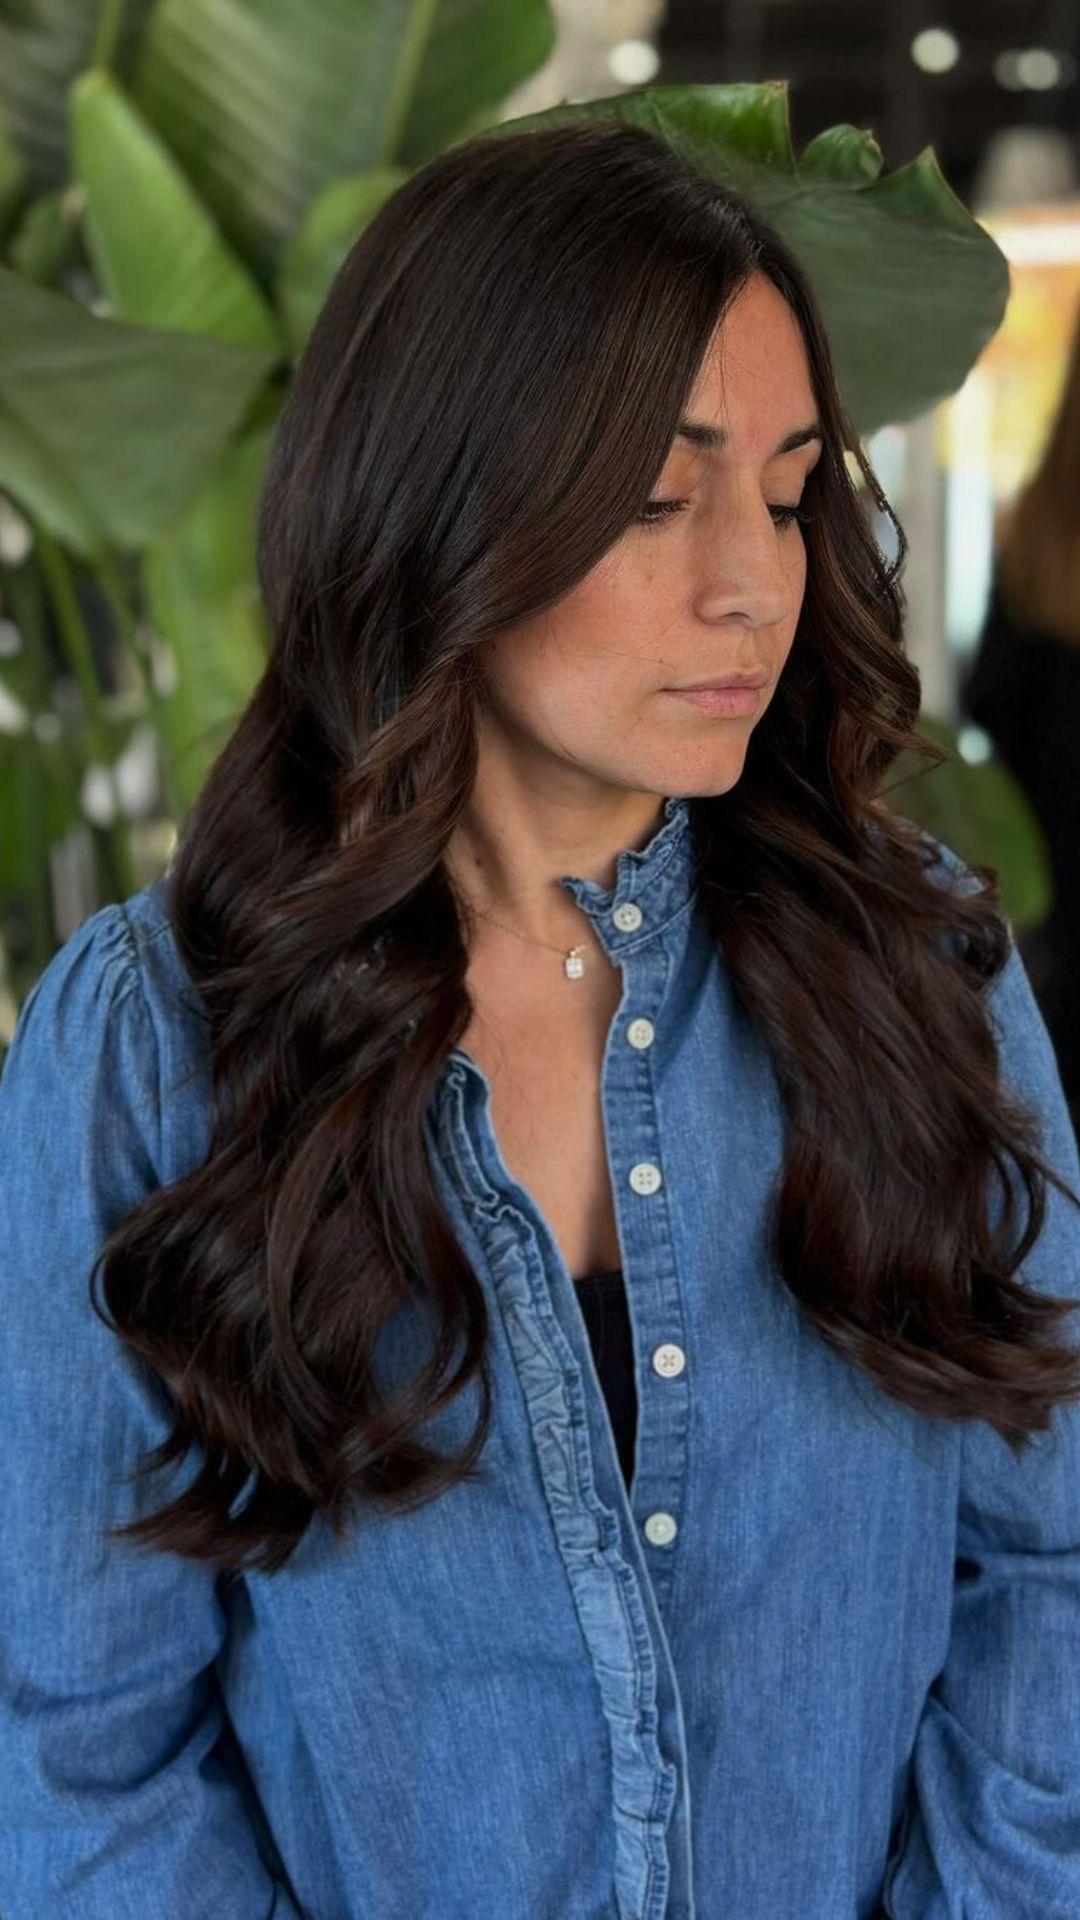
x=669 y=1360
x=627 y=917
x=645 y=1177
x=660 y=1528
x=641 y=1033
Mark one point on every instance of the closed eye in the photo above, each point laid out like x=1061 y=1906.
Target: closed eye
x=657 y=510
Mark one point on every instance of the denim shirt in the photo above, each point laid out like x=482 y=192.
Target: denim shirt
x=821 y=1661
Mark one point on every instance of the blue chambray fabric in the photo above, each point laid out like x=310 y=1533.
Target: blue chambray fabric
x=822 y=1662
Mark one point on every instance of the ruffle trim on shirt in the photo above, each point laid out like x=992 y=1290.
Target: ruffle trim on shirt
x=654 y=870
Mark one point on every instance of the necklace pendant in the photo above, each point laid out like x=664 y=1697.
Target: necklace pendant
x=574 y=965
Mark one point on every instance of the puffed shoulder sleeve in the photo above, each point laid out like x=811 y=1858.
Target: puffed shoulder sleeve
x=121 y=1787
x=991 y=1827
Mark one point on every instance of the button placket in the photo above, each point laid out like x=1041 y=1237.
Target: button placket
x=669 y=1359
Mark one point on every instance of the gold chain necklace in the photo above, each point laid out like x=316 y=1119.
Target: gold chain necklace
x=573 y=958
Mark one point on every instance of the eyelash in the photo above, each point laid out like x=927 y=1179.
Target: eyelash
x=658 y=510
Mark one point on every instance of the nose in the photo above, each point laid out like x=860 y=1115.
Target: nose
x=750 y=569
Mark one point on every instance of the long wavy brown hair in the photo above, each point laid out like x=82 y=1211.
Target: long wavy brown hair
x=1038 y=566
x=489 y=392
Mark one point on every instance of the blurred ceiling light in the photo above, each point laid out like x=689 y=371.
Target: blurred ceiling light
x=973 y=745
x=1007 y=71
x=634 y=62
x=935 y=50
x=1039 y=68
x=1034 y=68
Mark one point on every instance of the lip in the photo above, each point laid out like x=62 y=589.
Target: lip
x=722 y=683
x=721 y=702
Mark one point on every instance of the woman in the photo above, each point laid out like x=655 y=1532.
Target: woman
x=1023 y=687
x=496 y=966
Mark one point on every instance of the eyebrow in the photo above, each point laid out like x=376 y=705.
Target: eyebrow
x=704 y=435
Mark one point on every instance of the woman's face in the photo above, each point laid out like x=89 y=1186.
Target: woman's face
x=712 y=588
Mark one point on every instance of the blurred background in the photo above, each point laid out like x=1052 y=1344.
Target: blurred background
x=129 y=631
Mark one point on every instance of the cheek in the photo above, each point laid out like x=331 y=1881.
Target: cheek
x=795 y=575
x=547 y=682
x=797 y=581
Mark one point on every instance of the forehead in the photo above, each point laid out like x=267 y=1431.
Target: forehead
x=755 y=368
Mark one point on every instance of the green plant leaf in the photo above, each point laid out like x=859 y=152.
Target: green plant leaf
x=264 y=102
x=739 y=133
x=910 y=285
x=13 y=181
x=847 y=154
x=39 y=795
x=155 y=249
x=45 y=240
x=322 y=240
x=24 y=683
x=43 y=45
x=200 y=587
x=107 y=431
x=982 y=813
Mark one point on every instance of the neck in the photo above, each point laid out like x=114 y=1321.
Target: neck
x=509 y=850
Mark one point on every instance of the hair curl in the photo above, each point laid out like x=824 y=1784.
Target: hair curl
x=491 y=386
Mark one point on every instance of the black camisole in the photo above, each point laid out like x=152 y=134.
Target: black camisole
x=603 y=1307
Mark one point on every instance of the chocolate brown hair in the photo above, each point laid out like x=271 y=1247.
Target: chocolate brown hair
x=487 y=396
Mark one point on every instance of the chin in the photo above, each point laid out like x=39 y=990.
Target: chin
x=707 y=782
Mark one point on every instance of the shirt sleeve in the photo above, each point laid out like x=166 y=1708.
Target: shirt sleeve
x=991 y=1828
x=119 y=1796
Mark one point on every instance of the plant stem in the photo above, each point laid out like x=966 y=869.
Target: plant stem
x=32 y=815
x=110 y=21
x=108 y=577
x=398 y=95
x=75 y=642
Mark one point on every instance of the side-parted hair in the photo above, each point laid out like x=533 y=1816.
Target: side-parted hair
x=486 y=398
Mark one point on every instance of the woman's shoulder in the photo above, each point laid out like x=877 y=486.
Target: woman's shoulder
x=941 y=862
x=124 y=949
x=1026 y=1055
x=947 y=867
x=113 y=1022
x=154 y=953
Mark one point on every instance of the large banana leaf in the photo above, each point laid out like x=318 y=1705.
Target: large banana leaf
x=43 y=45
x=107 y=431
x=158 y=254
x=264 y=102
x=911 y=286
